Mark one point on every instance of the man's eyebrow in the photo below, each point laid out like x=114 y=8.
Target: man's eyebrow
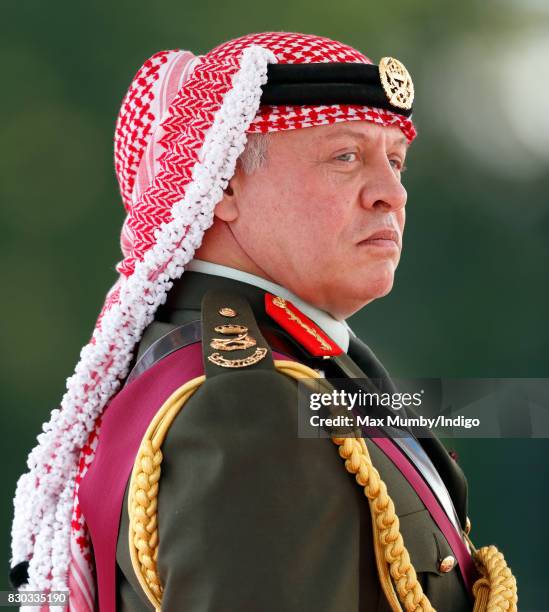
x=360 y=136
x=344 y=132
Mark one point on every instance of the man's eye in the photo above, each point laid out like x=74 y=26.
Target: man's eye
x=397 y=165
x=347 y=157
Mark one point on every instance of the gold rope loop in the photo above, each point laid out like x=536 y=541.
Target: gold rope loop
x=386 y=528
x=143 y=493
x=497 y=588
x=495 y=591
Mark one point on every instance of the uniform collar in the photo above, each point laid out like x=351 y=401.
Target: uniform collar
x=338 y=331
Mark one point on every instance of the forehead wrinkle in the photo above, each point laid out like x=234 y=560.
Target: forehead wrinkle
x=359 y=135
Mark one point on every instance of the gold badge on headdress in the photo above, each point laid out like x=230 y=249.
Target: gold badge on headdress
x=397 y=82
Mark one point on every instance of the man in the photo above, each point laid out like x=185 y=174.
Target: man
x=192 y=490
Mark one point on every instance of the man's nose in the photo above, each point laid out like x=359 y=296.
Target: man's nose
x=382 y=188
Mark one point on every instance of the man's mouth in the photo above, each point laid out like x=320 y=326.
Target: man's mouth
x=386 y=238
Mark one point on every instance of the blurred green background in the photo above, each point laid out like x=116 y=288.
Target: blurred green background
x=472 y=291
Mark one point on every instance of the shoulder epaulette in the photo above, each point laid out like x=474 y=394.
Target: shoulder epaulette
x=230 y=335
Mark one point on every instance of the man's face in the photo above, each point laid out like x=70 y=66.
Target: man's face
x=324 y=215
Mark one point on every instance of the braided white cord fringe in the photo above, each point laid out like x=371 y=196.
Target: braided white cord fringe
x=43 y=501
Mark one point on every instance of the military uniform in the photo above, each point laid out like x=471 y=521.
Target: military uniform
x=252 y=517
x=227 y=507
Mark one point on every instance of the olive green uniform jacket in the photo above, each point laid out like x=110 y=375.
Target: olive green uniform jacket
x=253 y=518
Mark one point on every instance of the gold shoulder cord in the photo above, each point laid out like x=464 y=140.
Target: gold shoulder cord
x=143 y=493
x=495 y=591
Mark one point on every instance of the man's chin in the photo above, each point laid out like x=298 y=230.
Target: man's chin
x=378 y=282
x=351 y=299
x=375 y=289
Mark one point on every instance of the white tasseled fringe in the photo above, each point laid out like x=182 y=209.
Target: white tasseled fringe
x=43 y=501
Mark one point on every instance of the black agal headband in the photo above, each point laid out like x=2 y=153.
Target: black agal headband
x=388 y=86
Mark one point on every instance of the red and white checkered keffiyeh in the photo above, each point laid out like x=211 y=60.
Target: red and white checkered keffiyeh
x=181 y=128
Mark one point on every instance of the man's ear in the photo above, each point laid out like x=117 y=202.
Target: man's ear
x=226 y=209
